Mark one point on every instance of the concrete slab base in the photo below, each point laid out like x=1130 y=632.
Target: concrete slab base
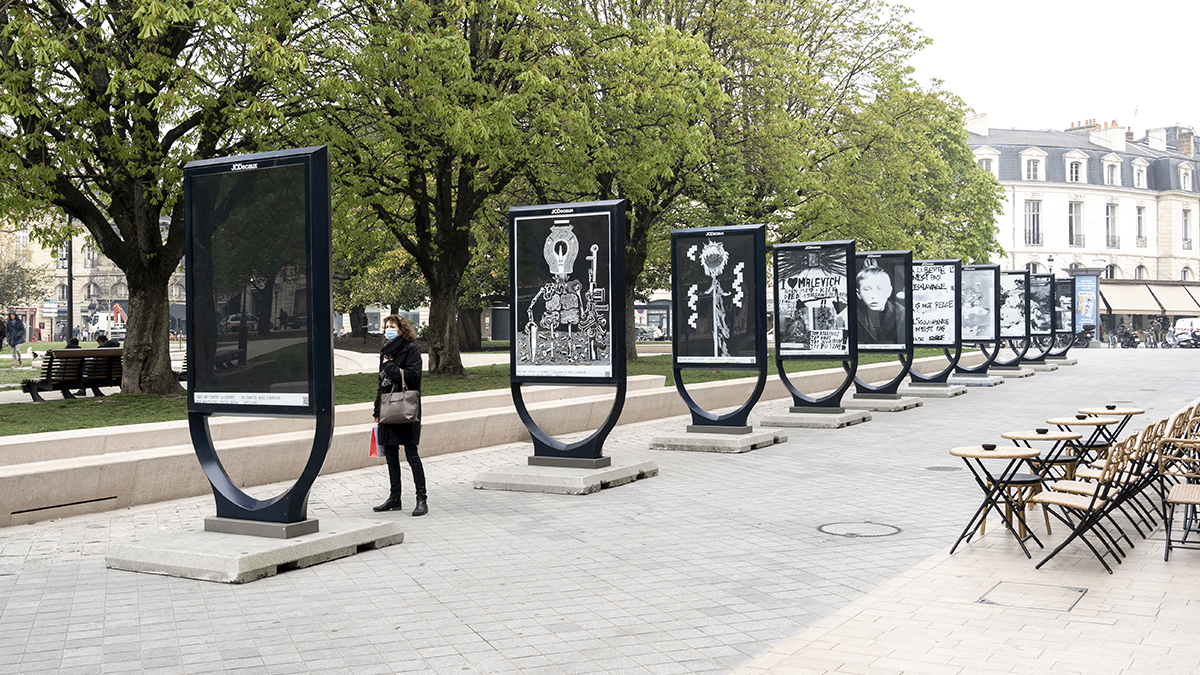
x=852 y=402
x=1041 y=367
x=933 y=390
x=562 y=480
x=239 y=558
x=1062 y=360
x=976 y=380
x=810 y=420
x=1007 y=374
x=708 y=442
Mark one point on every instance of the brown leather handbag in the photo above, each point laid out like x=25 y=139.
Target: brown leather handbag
x=401 y=406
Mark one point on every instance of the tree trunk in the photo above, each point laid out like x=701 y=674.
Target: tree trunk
x=444 y=355
x=357 y=314
x=147 y=362
x=636 y=250
x=630 y=325
x=470 y=337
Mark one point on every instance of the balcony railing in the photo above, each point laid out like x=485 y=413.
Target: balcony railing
x=1033 y=238
x=1114 y=241
x=1141 y=242
x=1076 y=240
x=1187 y=244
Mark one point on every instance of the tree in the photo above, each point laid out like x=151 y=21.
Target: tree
x=102 y=104
x=438 y=105
x=20 y=283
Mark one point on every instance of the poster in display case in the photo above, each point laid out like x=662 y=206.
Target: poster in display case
x=813 y=287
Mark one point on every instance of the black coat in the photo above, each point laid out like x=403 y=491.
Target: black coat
x=396 y=355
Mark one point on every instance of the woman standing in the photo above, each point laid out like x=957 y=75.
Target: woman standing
x=15 y=332
x=400 y=354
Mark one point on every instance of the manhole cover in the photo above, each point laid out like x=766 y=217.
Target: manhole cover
x=943 y=468
x=1033 y=596
x=863 y=529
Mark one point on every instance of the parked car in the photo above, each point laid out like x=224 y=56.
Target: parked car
x=294 y=322
x=233 y=322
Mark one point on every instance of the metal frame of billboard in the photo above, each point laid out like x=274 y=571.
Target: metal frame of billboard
x=1064 y=338
x=1022 y=347
x=683 y=302
x=1040 y=343
x=953 y=358
x=991 y=354
x=562 y=246
x=891 y=388
x=291 y=506
x=803 y=402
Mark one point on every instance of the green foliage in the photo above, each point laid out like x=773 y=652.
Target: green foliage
x=21 y=283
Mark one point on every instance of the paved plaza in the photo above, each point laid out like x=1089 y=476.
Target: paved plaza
x=720 y=564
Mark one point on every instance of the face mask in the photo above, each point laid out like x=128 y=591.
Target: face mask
x=390 y=333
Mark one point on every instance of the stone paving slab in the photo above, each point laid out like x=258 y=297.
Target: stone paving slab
x=712 y=564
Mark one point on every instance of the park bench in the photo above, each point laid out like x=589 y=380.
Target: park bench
x=66 y=370
x=229 y=359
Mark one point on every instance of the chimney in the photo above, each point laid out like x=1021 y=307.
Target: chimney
x=1111 y=137
x=1187 y=145
x=977 y=124
x=1157 y=139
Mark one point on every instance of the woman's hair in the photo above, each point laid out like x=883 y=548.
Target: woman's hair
x=402 y=325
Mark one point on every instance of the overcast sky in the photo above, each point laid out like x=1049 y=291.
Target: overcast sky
x=1045 y=64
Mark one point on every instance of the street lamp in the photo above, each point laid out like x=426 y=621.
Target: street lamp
x=1050 y=263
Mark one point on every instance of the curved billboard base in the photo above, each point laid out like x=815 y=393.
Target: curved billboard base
x=832 y=400
x=943 y=376
x=1019 y=346
x=737 y=418
x=982 y=368
x=585 y=453
x=891 y=387
x=1039 y=349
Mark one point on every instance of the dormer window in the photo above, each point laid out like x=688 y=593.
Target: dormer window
x=1112 y=169
x=1185 y=177
x=1139 y=172
x=1033 y=162
x=1073 y=172
x=988 y=160
x=1110 y=175
x=1076 y=163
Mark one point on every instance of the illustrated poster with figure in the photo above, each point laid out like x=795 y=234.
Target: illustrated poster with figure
x=1086 y=291
x=812 y=291
x=1064 y=306
x=935 y=303
x=1014 y=305
x=562 y=279
x=979 y=320
x=883 y=307
x=715 y=274
x=1041 y=304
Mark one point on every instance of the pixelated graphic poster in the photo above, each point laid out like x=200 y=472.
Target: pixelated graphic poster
x=812 y=300
x=562 y=268
x=882 y=307
x=979 y=304
x=1041 y=304
x=1064 y=306
x=1086 y=291
x=715 y=295
x=1014 y=305
x=935 y=304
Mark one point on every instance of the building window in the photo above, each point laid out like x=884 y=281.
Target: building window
x=1033 y=223
x=176 y=291
x=1185 y=275
x=89 y=256
x=1074 y=171
x=1075 y=223
x=91 y=292
x=986 y=164
x=1032 y=267
x=1139 y=178
x=1110 y=272
x=1141 y=222
x=1033 y=169
x=1110 y=175
x=62 y=292
x=1185 y=177
x=120 y=290
x=1187 y=224
x=1141 y=272
x=1110 y=226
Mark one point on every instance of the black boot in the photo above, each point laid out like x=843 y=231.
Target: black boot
x=422 y=507
x=393 y=502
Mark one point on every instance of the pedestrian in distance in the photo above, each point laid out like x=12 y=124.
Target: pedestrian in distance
x=400 y=354
x=14 y=332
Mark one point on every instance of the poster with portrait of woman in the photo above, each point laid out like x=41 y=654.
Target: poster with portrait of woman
x=935 y=299
x=812 y=290
x=1041 y=305
x=1064 y=306
x=718 y=277
x=1014 y=305
x=884 y=300
x=980 y=298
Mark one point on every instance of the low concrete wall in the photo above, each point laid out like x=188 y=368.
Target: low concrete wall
x=64 y=486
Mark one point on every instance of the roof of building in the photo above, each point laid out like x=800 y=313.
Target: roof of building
x=1063 y=139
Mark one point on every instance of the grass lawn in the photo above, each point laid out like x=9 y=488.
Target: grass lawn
x=115 y=410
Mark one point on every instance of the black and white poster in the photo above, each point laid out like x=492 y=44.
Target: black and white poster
x=1041 y=304
x=1064 y=306
x=979 y=303
x=1014 y=305
x=812 y=291
x=716 y=274
x=562 y=270
x=935 y=288
x=884 y=300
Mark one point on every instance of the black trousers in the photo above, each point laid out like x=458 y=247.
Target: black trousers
x=391 y=453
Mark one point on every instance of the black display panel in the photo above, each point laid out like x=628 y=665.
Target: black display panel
x=813 y=287
x=1041 y=305
x=1014 y=305
x=884 y=307
x=980 y=302
x=257 y=269
x=718 y=277
x=1064 y=306
x=567 y=265
x=935 y=299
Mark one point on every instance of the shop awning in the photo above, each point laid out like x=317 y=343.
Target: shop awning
x=1175 y=299
x=1129 y=299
